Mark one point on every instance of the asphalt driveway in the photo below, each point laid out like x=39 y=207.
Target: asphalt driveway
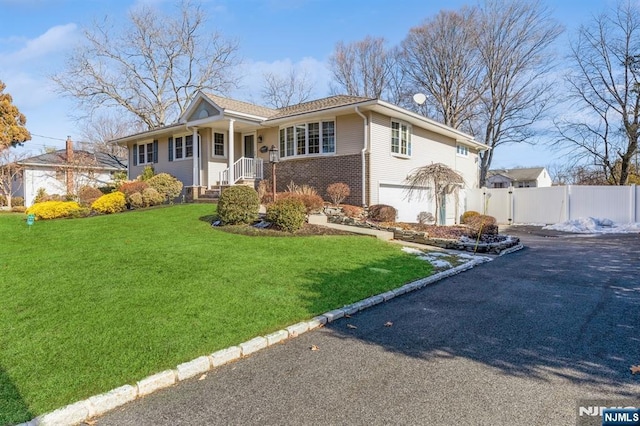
x=519 y=341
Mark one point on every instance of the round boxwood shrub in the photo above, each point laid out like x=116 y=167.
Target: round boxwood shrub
x=110 y=203
x=238 y=204
x=288 y=214
x=382 y=213
x=166 y=185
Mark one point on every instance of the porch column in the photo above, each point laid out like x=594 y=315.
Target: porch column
x=231 y=153
x=196 y=159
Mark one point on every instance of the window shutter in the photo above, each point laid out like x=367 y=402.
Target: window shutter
x=170 y=149
x=155 y=151
x=198 y=145
x=135 y=154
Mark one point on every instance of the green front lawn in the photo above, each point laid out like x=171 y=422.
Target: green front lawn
x=87 y=305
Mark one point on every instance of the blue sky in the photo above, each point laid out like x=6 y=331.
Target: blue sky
x=274 y=35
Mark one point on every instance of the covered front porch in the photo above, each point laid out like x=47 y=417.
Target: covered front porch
x=233 y=144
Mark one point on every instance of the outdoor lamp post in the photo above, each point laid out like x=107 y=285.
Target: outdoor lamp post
x=273 y=159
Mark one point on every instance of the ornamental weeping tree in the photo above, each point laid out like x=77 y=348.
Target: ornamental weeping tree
x=439 y=177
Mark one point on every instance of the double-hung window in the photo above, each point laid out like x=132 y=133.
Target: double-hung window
x=308 y=139
x=218 y=144
x=183 y=147
x=145 y=153
x=400 y=138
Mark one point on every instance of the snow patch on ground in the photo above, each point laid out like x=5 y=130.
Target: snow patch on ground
x=592 y=225
x=435 y=257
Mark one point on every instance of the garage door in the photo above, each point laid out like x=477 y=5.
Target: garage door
x=408 y=210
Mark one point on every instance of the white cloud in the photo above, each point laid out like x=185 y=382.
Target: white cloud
x=54 y=40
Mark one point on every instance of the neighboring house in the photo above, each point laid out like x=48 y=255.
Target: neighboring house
x=533 y=177
x=65 y=171
x=369 y=144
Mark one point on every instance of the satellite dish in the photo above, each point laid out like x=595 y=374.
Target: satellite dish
x=419 y=98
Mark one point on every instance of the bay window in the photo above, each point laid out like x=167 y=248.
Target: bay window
x=308 y=138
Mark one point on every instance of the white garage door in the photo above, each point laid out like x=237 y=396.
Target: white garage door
x=408 y=209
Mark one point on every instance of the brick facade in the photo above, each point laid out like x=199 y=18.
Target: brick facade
x=320 y=172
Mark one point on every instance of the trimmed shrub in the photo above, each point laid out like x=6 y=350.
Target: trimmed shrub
x=130 y=187
x=135 y=200
x=312 y=203
x=151 y=197
x=166 y=185
x=40 y=194
x=18 y=209
x=338 y=192
x=238 y=204
x=288 y=214
x=382 y=213
x=482 y=225
x=352 y=211
x=110 y=203
x=466 y=216
x=17 y=201
x=3 y=201
x=53 y=209
x=87 y=195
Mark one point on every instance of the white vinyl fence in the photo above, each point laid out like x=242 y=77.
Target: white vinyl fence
x=557 y=204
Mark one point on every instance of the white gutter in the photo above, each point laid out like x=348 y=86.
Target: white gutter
x=363 y=155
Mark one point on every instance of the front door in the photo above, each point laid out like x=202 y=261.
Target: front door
x=249 y=149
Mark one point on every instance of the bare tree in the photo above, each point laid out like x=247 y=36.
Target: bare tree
x=10 y=174
x=437 y=181
x=361 y=68
x=605 y=87
x=153 y=68
x=281 y=91
x=441 y=60
x=99 y=129
x=513 y=41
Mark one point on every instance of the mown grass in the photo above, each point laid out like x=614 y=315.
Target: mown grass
x=87 y=305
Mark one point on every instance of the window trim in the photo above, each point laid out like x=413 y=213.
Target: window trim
x=288 y=137
x=183 y=146
x=145 y=150
x=409 y=131
x=213 y=145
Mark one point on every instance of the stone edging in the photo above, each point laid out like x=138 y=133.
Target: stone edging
x=97 y=405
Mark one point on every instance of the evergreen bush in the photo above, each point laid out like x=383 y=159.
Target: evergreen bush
x=238 y=204
x=288 y=214
x=168 y=186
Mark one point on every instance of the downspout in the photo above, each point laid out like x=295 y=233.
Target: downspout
x=362 y=154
